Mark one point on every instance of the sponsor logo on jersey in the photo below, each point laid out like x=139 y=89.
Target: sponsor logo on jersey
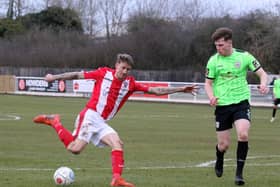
x=237 y=65
x=125 y=84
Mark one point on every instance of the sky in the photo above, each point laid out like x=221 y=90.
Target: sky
x=236 y=7
x=247 y=5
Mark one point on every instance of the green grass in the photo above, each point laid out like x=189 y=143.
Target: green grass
x=163 y=145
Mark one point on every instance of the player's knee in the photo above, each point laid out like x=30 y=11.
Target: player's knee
x=121 y=143
x=75 y=151
x=77 y=146
x=243 y=136
x=117 y=145
x=223 y=146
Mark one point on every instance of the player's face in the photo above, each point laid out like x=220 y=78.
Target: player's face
x=122 y=70
x=223 y=47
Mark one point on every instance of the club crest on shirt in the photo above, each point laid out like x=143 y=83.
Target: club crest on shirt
x=125 y=84
x=237 y=65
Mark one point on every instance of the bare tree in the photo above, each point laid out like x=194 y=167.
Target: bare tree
x=47 y=3
x=113 y=14
x=19 y=7
x=15 y=8
x=92 y=10
x=87 y=10
x=10 y=11
x=190 y=12
x=277 y=9
x=218 y=8
x=154 y=8
x=59 y=3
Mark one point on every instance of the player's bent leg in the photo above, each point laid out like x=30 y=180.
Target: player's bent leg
x=77 y=146
x=242 y=128
x=47 y=119
x=53 y=120
x=239 y=180
x=219 y=162
x=221 y=147
x=273 y=113
x=114 y=141
x=121 y=182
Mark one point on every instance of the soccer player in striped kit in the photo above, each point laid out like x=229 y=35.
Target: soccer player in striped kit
x=111 y=90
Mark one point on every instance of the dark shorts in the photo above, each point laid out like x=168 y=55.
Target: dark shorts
x=276 y=101
x=227 y=115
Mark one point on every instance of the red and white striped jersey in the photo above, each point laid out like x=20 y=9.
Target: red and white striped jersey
x=109 y=93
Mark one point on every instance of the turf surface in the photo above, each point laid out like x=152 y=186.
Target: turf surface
x=166 y=145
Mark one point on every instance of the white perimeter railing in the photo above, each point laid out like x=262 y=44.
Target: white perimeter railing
x=83 y=88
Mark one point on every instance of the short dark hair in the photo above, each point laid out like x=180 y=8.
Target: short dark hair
x=122 y=57
x=222 y=32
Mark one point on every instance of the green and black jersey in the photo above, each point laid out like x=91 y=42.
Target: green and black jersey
x=276 y=88
x=229 y=75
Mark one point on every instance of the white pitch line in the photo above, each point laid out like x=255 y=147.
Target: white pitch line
x=212 y=162
x=26 y=169
x=6 y=117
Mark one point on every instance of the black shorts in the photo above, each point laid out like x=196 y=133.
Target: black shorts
x=227 y=115
x=276 y=101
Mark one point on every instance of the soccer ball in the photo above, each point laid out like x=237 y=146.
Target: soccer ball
x=64 y=176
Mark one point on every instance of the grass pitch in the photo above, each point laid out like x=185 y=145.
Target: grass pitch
x=166 y=145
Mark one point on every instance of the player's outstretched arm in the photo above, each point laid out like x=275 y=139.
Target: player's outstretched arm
x=209 y=91
x=64 y=76
x=170 y=90
x=193 y=89
x=263 y=89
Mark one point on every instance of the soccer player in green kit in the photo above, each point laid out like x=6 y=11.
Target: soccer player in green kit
x=276 y=97
x=227 y=89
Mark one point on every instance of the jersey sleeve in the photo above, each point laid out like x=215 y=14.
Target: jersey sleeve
x=141 y=87
x=210 y=69
x=254 y=64
x=95 y=74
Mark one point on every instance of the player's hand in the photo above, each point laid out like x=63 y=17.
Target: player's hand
x=263 y=89
x=213 y=101
x=191 y=89
x=49 y=78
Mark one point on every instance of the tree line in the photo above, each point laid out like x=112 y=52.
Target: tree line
x=56 y=37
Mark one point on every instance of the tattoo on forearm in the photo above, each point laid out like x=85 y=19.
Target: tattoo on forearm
x=68 y=76
x=167 y=90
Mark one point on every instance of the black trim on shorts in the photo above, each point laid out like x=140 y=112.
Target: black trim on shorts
x=276 y=101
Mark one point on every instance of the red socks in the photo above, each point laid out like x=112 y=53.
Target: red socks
x=117 y=163
x=64 y=135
